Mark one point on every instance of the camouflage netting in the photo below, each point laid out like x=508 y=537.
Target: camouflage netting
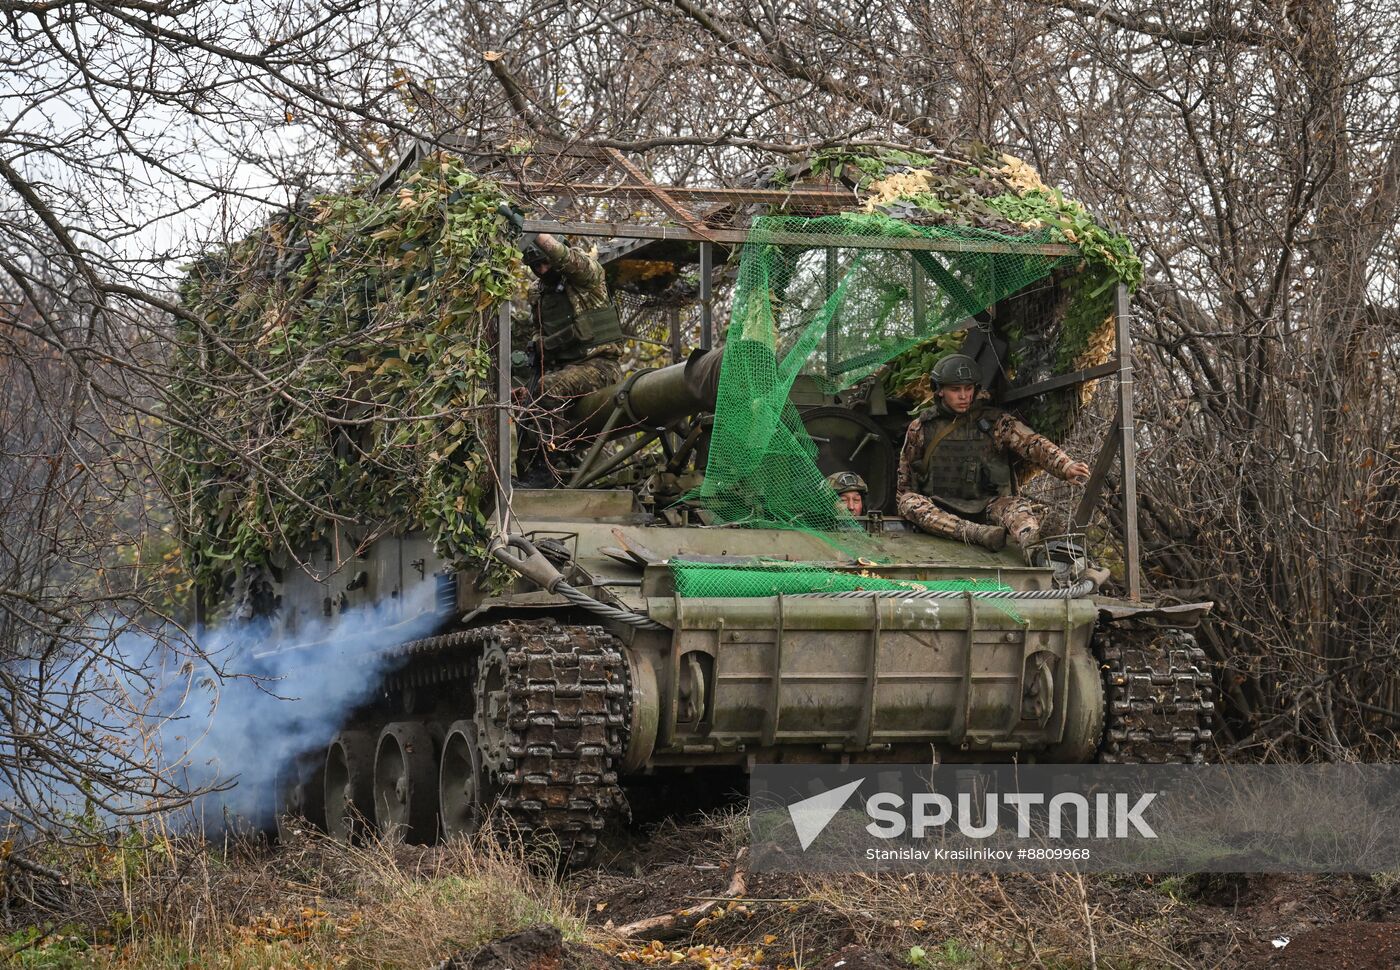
x=356 y=308
x=763 y=577
x=809 y=302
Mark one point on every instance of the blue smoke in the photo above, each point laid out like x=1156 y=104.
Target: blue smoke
x=146 y=717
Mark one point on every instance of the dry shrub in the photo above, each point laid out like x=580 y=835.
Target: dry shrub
x=150 y=900
x=420 y=905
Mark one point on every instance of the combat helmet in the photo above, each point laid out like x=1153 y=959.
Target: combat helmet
x=956 y=369
x=842 y=482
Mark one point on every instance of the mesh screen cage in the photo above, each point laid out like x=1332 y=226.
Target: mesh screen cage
x=833 y=299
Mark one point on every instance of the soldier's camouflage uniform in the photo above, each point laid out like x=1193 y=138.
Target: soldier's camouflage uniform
x=1012 y=512
x=584 y=284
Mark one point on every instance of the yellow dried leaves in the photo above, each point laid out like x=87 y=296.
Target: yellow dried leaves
x=1099 y=351
x=900 y=185
x=656 y=953
x=640 y=270
x=297 y=927
x=1021 y=176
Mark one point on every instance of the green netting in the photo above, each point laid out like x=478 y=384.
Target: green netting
x=824 y=308
x=765 y=577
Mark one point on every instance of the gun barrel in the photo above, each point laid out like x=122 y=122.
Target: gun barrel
x=654 y=398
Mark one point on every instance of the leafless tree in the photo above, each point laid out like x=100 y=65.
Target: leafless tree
x=1255 y=153
x=132 y=135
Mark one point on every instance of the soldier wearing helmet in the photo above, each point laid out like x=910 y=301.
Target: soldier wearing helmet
x=851 y=489
x=955 y=475
x=568 y=345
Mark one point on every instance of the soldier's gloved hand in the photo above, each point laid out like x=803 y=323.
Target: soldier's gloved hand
x=512 y=215
x=1078 y=473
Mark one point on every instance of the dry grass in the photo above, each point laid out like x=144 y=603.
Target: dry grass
x=154 y=901
x=1056 y=919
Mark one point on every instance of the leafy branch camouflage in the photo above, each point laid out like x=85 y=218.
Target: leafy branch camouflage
x=341 y=363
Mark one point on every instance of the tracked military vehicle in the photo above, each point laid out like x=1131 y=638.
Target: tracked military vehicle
x=590 y=666
x=637 y=620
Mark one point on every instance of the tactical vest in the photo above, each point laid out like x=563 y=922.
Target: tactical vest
x=569 y=336
x=962 y=468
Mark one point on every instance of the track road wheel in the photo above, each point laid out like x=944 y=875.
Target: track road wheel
x=463 y=797
x=1084 y=718
x=493 y=696
x=349 y=785
x=405 y=783
x=301 y=796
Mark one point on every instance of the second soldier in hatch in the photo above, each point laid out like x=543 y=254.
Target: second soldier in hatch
x=850 y=489
x=567 y=346
x=955 y=475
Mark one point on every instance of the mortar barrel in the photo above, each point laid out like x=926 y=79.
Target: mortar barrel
x=655 y=397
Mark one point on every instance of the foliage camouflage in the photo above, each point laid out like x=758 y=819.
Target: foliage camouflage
x=368 y=308
x=984 y=190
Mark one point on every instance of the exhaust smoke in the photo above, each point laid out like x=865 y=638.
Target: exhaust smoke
x=121 y=721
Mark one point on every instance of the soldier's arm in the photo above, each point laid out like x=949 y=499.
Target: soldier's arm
x=579 y=269
x=1037 y=449
x=906 y=495
x=908 y=454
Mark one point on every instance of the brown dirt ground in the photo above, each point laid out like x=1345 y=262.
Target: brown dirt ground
x=1209 y=921
x=860 y=958
x=534 y=948
x=542 y=948
x=1341 y=946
